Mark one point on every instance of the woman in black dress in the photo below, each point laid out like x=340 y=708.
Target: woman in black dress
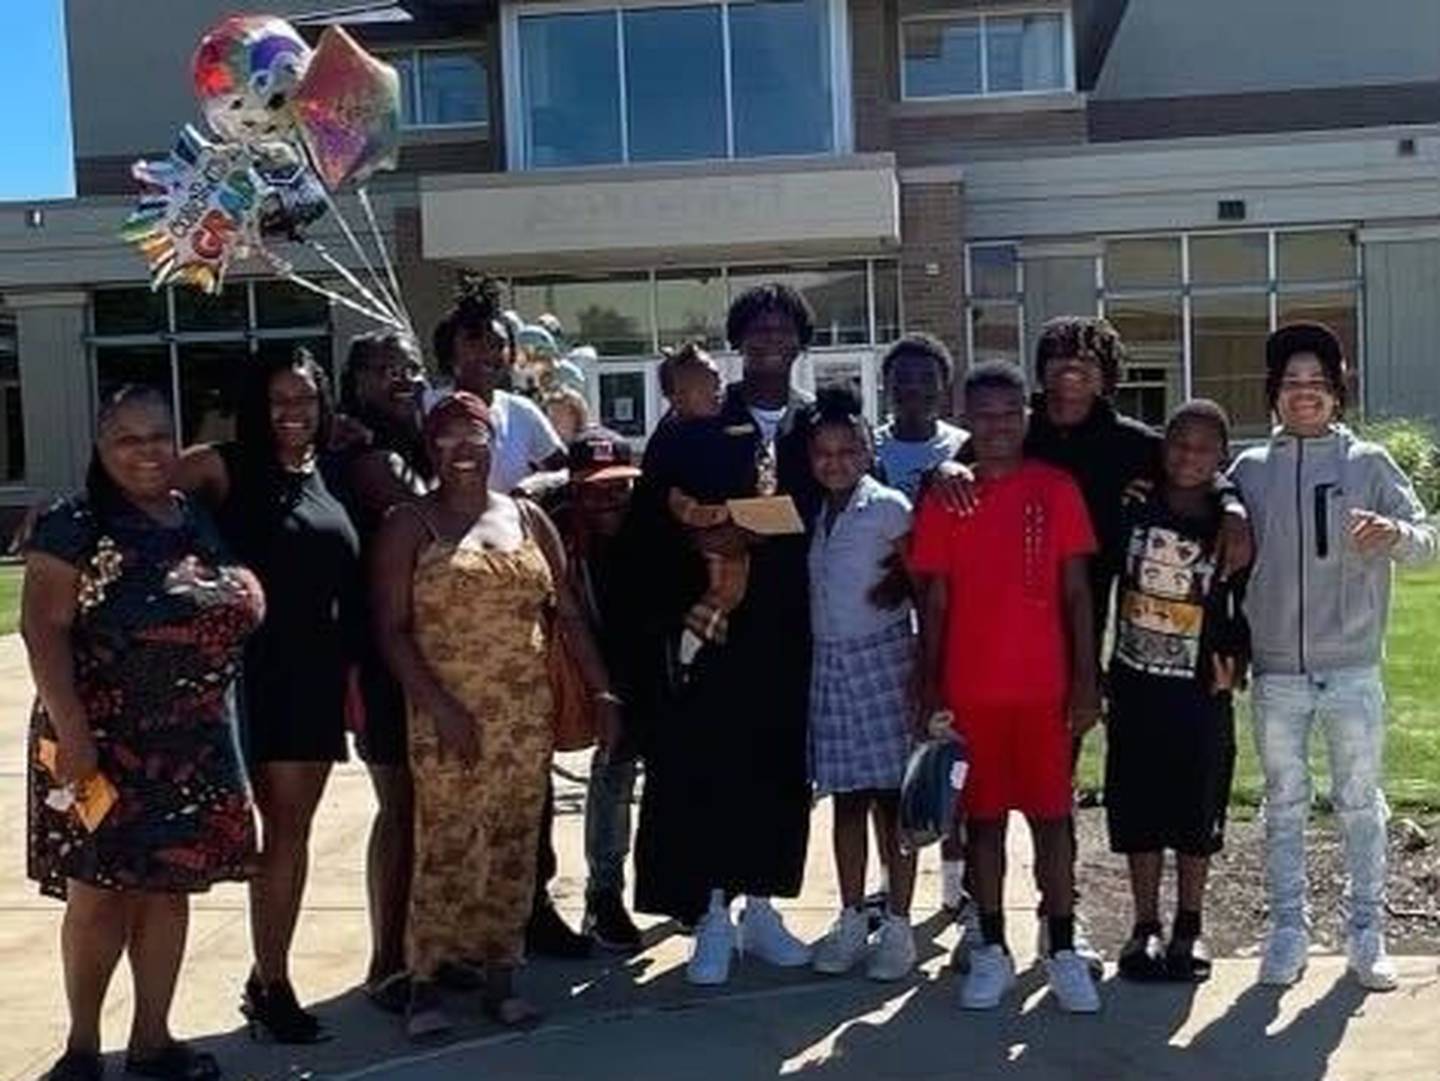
x=381 y=388
x=135 y=620
x=275 y=510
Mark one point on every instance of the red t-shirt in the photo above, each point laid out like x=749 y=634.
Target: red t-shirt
x=1006 y=639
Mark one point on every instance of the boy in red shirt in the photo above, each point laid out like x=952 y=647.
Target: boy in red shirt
x=1007 y=637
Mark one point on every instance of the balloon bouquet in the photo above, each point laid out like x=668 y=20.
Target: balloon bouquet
x=293 y=127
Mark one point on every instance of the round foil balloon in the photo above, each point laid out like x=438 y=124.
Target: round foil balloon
x=246 y=70
x=348 y=110
x=199 y=211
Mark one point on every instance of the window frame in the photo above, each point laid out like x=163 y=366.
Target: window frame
x=982 y=16
x=251 y=335
x=517 y=135
x=1185 y=291
x=413 y=54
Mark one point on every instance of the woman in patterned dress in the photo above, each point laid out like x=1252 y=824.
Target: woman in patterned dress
x=462 y=581
x=135 y=621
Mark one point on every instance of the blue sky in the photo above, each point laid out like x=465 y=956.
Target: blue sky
x=35 y=125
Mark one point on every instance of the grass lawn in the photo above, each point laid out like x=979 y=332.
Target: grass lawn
x=1412 y=681
x=10 y=574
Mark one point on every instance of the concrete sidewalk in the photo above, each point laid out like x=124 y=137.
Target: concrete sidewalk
x=636 y=1018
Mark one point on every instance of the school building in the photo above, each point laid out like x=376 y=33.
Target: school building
x=1197 y=172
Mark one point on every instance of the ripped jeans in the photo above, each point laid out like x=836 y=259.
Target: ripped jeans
x=1349 y=704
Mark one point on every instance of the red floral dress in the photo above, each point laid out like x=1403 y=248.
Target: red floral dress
x=158 y=637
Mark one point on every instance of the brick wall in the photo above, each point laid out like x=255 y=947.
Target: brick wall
x=428 y=286
x=872 y=71
x=933 y=137
x=931 y=261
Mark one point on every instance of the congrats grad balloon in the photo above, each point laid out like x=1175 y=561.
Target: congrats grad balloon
x=199 y=210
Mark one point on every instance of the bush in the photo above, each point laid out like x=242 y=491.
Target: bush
x=1413 y=445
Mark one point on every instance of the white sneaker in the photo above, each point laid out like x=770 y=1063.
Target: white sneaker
x=1079 y=942
x=764 y=935
x=1369 y=962
x=709 y=963
x=992 y=974
x=1287 y=952
x=1071 y=983
x=894 y=954
x=843 y=944
x=952 y=885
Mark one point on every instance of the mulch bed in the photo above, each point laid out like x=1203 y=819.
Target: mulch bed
x=1235 y=903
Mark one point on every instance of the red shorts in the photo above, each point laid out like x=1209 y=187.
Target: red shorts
x=1019 y=760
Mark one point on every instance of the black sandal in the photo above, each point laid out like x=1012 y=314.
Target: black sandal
x=77 y=1066
x=1187 y=961
x=274 y=1012
x=512 y=1012
x=177 y=1062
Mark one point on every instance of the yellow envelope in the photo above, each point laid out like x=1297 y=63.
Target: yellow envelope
x=769 y=516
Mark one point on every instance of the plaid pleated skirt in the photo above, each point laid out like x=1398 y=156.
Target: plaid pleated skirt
x=860 y=710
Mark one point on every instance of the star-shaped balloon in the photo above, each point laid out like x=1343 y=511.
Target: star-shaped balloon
x=347 y=109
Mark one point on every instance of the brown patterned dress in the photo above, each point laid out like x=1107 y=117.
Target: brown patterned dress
x=480 y=624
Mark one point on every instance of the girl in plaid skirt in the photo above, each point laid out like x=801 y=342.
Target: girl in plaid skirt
x=864 y=657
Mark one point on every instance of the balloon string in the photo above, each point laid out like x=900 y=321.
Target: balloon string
x=391 y=305
x=364 y=194
x=286 y=271
x=346 y=273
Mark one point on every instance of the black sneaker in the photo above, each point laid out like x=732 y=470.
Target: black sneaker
x=607 y=922
x=1142 y=958
x=547 y=935
x=1187 y=961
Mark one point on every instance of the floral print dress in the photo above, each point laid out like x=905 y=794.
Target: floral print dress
x=158 y=635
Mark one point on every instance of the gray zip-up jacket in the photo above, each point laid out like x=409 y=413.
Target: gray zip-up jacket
x=1314 y=602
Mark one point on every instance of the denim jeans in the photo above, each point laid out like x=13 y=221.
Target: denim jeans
x=1350 y=705
x=607 y=822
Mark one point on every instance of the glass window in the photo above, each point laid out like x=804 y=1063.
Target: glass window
x=1153 y=379
x=1144 y=263
x=622 y=402
x=452 y=87
x=1026 y=52
x=129 y=311
x=570 y=73
x=994 y=271
x=837 y=294
x=211 y=377
x=1315 y=257
x=887 y=302
x=1061 y=285
x=780 y=73
x=611 y=312
x=995 y=330
x=691 y=305
x=942 y=58
x=675 y=83
x=227 y=310
x=12 y=413
x=145 y=365
x=280 y=304
x=1235 y=259
x=841 y=375
x=1228 y=356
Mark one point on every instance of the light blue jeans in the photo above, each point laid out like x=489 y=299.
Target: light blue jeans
x=607 y=822
x=1349 y=703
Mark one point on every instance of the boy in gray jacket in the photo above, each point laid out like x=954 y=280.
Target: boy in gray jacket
x=1331 y=515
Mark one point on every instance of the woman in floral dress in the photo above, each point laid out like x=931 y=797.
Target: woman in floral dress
x=135 y=622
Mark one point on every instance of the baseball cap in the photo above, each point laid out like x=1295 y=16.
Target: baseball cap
x=598 y=454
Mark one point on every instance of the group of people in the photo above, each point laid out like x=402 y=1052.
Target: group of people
x=406 y=563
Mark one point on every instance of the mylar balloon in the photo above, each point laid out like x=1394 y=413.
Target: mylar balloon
x=348 y=110
x=246 y=69
x=197 y=213
x=294 y=196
